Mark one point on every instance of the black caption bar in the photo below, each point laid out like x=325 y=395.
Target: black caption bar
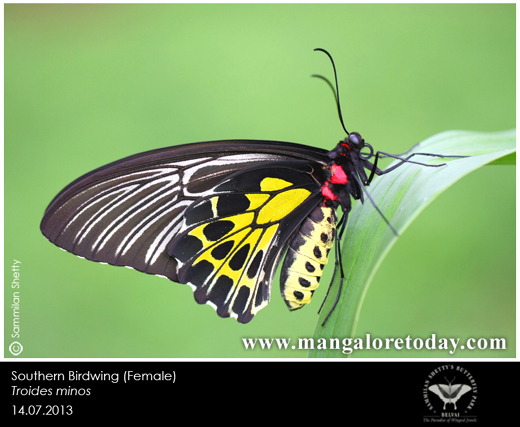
x=411 y=393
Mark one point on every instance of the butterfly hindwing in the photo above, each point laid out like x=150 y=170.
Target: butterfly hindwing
x=231 y=241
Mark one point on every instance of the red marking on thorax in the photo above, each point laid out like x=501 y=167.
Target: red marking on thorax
x=327 y=192
x=339 y=176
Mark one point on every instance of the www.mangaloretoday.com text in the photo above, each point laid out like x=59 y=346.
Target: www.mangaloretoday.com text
x=348 y=345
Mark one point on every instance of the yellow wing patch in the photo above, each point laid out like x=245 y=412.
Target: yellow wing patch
x=281 y=205
x=256 y=200
x=274 y=184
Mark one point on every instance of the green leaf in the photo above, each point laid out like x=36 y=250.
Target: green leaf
x=510 y=159
x=401 y=195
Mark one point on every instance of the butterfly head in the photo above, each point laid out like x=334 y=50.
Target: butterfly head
x=351 y=147
x=355 y=141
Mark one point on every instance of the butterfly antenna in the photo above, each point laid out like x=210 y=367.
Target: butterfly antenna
x=374 y=203
x=336 y=92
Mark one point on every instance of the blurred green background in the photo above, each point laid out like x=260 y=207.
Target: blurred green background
x=89 y=84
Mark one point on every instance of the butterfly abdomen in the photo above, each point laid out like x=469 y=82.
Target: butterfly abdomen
x=307 y=256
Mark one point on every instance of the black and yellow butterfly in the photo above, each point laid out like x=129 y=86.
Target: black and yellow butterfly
x=219 y=216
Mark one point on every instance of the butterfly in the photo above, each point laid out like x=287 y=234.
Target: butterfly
x=220 y=215
x=449 y=393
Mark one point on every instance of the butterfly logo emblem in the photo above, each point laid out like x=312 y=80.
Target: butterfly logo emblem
x=449 y=393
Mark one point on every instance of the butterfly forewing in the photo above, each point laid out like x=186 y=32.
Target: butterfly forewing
x=127 y=212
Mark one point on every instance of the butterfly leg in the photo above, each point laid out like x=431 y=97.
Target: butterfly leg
x=407 y=160
x=442 y=156
x=383 y=155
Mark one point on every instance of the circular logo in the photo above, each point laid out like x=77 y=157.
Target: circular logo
x=15 y=348
x=450 y=391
